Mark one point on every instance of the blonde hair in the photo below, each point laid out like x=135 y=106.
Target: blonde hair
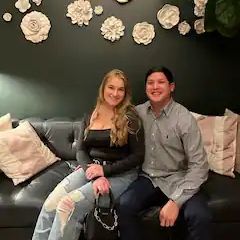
x=119 y=131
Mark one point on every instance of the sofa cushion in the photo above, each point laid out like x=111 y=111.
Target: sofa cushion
x=20 y=205
x=223 y=197
x=22 y=154
x=237 y=160
x=219 y=139
x=5 y=122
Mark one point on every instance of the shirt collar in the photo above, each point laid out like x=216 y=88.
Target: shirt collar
x=166 y=110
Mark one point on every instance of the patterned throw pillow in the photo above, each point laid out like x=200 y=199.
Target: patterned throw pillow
x=219 y=139
x=22 y=153
x=5 y=122
x=237 y=161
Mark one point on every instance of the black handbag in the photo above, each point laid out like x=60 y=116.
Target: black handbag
x=102 y=222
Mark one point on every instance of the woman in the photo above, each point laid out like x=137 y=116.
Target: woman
x=110 y=150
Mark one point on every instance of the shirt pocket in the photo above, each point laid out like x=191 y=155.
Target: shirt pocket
x=170 y=139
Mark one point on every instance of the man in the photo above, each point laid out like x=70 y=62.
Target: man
x=174 y=168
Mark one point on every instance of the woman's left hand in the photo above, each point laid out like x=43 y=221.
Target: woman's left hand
x=94 y=170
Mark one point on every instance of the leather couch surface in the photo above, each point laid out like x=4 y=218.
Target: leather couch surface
x=20 y=205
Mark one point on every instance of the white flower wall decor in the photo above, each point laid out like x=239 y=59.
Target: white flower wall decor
x=7 y=17
x=184 y=28
x=112 y=29
x=35 y=26
x=199 y=26
x=37 y=2
x=168 y=16
x=22 y=5
x=143 y=33
x=80 y=12
x=199 y=8
x=122 y=1
x=98 y=10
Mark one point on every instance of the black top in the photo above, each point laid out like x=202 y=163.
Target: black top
x=97 y=146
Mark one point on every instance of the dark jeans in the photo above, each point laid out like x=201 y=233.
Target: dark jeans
x=194 y=216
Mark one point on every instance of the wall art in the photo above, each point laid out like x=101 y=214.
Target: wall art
x=7 y=17
x=22 y=5
x=112 y=29
x=98 y=10
x=168 y=16
x=184 y=27
x=80 y=12
x=143 y=33
x=35 y=26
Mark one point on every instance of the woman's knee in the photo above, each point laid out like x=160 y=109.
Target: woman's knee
x=55 y=196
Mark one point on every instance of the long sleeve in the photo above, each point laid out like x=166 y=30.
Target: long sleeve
x=197 y=171
x=81 y=153
x=136 y=151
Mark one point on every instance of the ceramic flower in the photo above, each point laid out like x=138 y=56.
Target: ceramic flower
x=199 y=26
x=37 y=2
x=80 y=12
x=7 y=17
x=122 y=1
x=168 y=16
x=200 y=2
x=184 y=28
x=35 y=26
x=199 y=11
x=98 y=10
x=22 y=5
x=112 y=29
x=143 y=33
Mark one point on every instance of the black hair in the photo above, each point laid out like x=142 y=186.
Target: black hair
x=161 y=69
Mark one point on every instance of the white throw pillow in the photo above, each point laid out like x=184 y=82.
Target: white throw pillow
x=5 y=122
x=22 y=153
x=237 y=160
x=219 y=139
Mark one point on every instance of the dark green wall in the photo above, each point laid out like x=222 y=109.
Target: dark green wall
x=60 y=76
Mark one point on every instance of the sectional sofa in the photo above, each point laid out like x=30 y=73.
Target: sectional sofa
x=20 y=204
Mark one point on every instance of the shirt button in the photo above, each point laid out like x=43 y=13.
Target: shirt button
x=153 y=134
x=152 y=148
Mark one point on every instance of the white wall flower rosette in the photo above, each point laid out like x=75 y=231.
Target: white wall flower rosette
x=199 y=8
x=22 y=5
x=80 y=12
x=168 y=16
x=112 y=29
x=7 y=17
x=37 y=2
x=122 y=1
x=184 y=28
x=200 y=2
x=98 y=10
x=199 y=26
x=35 y=26
x=143 y=33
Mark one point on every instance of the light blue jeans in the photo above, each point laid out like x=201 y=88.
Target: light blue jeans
x=58 y=221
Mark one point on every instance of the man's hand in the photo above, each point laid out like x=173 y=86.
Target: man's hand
x=94 y=170
x=101 y=186
x=168 y=214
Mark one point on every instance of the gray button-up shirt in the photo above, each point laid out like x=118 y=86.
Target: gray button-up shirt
x=175 y=159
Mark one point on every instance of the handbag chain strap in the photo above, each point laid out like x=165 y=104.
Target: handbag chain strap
x=110 y=228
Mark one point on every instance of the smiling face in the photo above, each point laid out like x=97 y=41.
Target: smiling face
x=158 y=89
x=114 y=91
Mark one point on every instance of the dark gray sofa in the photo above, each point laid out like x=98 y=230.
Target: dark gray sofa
x=20 y=205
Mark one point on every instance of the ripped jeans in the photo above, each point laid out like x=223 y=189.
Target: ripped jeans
x=60 y=221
